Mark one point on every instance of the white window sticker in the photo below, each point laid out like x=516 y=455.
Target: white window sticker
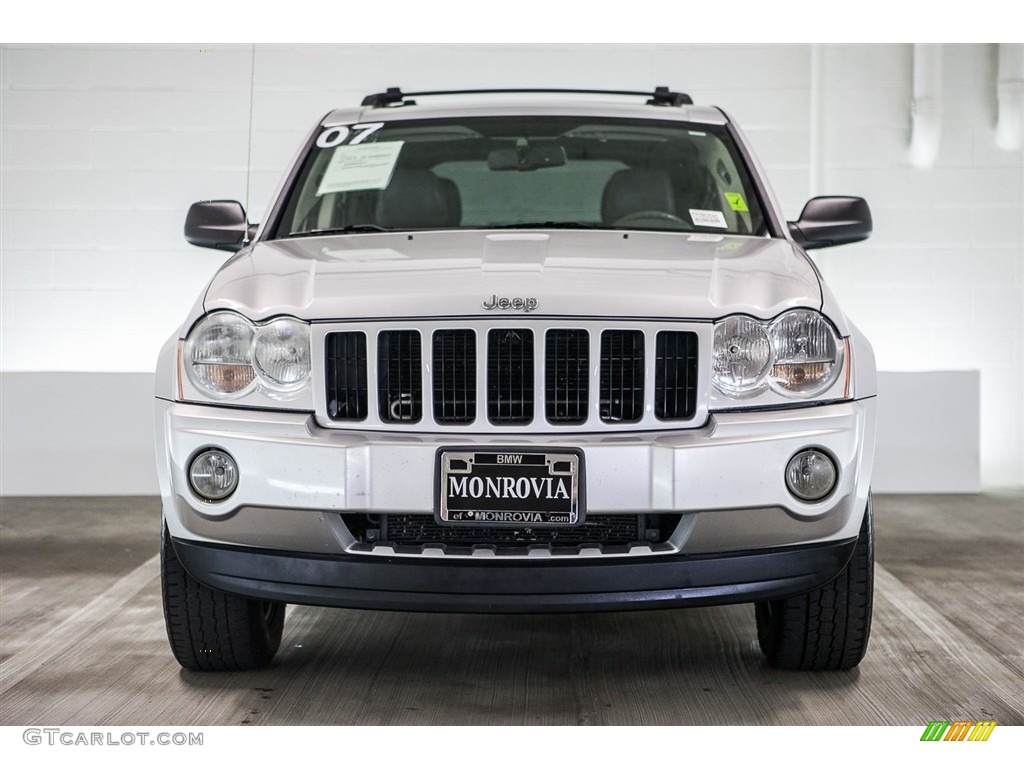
x=363 y=166
x=707 y=218
x=702 y=238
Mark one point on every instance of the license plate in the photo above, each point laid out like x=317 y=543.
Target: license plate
x=509 y=488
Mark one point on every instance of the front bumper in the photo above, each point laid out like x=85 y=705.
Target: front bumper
x=726 y=478
x=516 y=586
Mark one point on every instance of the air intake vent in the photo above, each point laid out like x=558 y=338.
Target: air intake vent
x=675 y=375
x=567 y=373
x=399 y=376
x=510 y=375
x=346 y=376
x=454 y=376
x=622 y=376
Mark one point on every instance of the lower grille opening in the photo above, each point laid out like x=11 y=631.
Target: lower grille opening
x=417 y=531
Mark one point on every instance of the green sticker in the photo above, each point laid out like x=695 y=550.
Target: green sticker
x=736 y=201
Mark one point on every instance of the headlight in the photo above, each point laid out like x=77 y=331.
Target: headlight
x=808 y=355
x=219 y=354
x=226 y=356
x=798 y=354
x=742 y=355
x=281 y=354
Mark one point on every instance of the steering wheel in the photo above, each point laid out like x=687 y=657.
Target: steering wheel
x=637 y=216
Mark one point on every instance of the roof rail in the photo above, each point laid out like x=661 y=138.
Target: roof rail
x=393 y=97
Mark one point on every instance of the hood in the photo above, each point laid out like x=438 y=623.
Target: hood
x=565 y=273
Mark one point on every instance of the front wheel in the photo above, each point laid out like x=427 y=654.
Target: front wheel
x=211 y=630
x=827 y=628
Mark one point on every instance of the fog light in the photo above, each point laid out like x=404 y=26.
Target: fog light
x=213 y=475
x=811 y=475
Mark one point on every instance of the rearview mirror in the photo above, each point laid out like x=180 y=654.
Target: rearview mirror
x=828 y=221
x=527 y=158
x=219 y=224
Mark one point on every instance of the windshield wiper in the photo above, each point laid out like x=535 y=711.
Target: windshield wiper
x=342 y=230
x=547 y=225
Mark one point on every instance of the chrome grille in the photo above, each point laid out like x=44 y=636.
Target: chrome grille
x=524 y=375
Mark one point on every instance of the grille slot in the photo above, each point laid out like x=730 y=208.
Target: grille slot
x=346 y=376
x=622 y=376
x=399 y=376
x=567 y=375
x=510 y=375
x=421 y=530
x=454 y=376
x=675 y=375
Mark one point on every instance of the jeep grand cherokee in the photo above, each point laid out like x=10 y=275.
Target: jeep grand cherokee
x=518 y=351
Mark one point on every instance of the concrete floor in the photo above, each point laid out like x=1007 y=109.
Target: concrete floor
x=83 y=641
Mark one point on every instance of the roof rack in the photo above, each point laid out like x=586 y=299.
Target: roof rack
x=393 y=97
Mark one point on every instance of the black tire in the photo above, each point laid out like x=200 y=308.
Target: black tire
x=213 y=631
x=827 y=628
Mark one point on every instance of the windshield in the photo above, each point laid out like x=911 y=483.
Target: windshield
x=522 y=172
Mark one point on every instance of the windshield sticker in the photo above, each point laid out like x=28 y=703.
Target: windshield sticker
x=696 y=133
x=736 y=202
x=332 y=137
x=699 y=238
x=708 y=218
x=337 y=134
x=364 y=166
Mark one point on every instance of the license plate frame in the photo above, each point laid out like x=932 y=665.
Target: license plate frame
x=486 y=490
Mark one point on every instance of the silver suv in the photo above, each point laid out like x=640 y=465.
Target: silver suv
x=519 y=351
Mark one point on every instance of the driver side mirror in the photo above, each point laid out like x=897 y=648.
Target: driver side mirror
x=828 y=221
x=219 y=224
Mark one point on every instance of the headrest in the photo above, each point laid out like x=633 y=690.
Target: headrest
x=637 y=189
x=414 y=198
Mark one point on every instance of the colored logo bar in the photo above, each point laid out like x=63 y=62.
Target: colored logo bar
x=958 y=730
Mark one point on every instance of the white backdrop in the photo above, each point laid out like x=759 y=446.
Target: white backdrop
x=104 y=148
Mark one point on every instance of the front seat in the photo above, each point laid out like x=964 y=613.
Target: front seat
x=634 y=190
x=414 y=199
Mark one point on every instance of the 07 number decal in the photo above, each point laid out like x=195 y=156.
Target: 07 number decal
x=338 y=134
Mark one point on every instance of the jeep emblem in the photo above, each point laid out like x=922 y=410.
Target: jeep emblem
x=516 y=302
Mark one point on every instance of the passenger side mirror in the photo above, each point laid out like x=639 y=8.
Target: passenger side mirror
x=219 y=224
x=828 y=221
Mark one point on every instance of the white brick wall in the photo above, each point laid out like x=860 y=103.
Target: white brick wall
x=102 y=149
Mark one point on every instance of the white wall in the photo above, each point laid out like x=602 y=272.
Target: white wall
x=102 y=149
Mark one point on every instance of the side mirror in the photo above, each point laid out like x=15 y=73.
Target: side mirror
x=219 y=224
x=828 y=221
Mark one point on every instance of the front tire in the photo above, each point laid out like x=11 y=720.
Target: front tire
x=827 y=628
x=211 y=630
